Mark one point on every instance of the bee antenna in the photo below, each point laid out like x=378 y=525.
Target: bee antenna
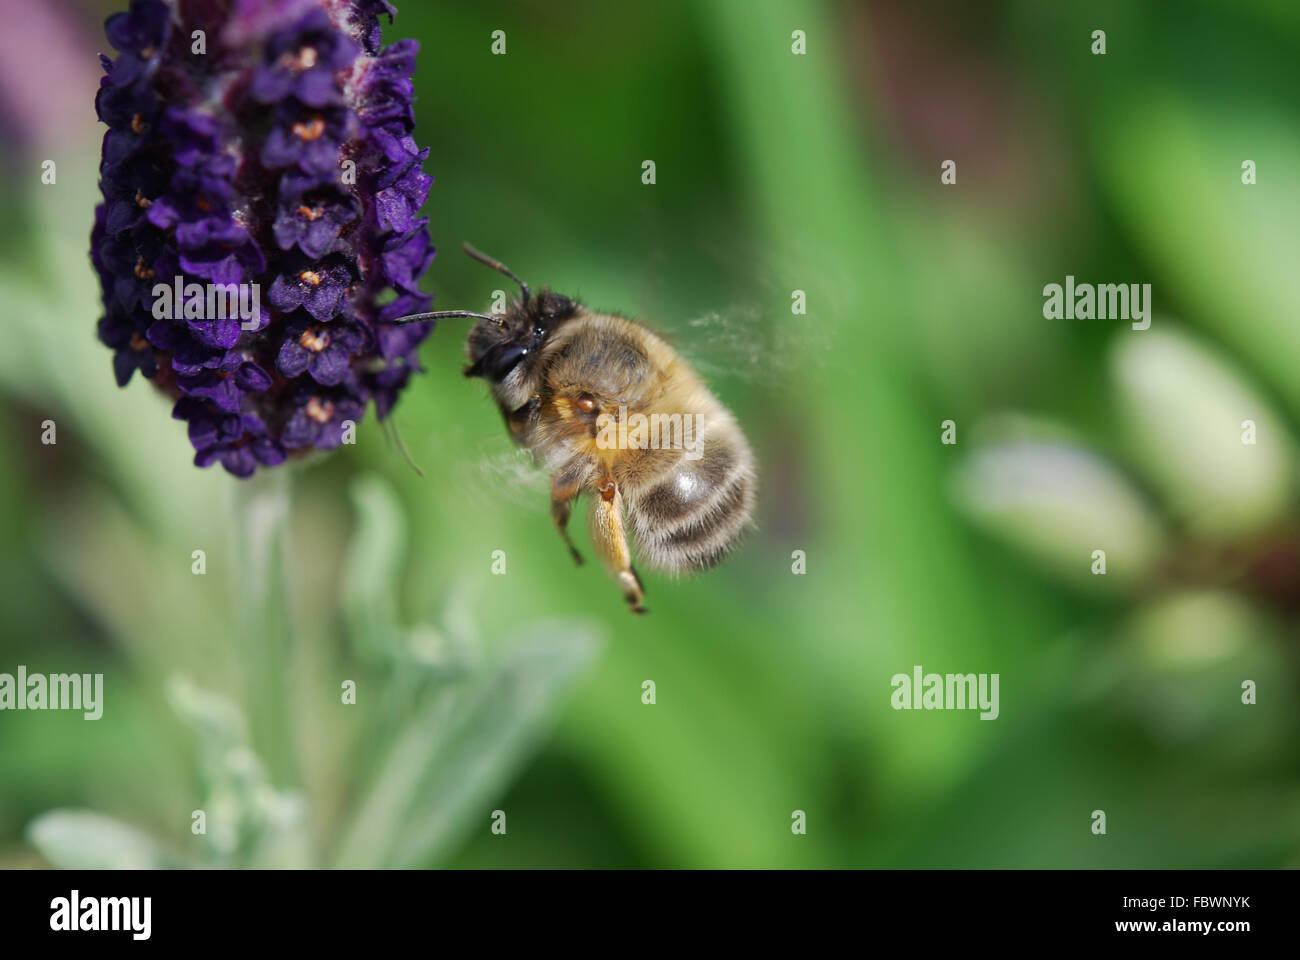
x=499 y=267
x=447 y=315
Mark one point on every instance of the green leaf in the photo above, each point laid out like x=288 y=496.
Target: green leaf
x=1185 y=412
x=85 y=840
x=460 y=749
x=1058 y=502
x=216 y=719
x=249 y=823
x=1225 y=249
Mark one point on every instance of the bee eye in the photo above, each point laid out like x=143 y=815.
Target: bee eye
x=502 y=362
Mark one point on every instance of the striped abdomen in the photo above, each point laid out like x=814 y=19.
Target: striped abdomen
x=691 y=517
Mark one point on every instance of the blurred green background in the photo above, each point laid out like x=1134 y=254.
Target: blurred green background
x=775 y=172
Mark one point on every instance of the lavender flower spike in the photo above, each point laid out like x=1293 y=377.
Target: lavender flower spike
x=261 y=151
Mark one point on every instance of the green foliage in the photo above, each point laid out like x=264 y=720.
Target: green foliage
x=522 y=692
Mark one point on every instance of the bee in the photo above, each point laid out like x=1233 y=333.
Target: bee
x=609 y=409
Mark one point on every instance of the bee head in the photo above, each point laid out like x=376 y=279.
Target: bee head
x=502 y=349
x=500 y=346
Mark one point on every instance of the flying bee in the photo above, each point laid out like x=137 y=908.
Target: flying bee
x=609 y=409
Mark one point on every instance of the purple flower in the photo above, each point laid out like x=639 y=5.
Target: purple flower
x=312 y=216
x=277 y=171
x=240 y=443
x=225 y=385
x=321 y=289
x=302 y=62
x=320 y=419
x=322 y=350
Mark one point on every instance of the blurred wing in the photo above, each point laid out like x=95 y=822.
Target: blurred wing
x=498 y=469
x=744 y=344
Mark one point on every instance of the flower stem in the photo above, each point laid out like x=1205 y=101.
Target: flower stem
x=260 y=550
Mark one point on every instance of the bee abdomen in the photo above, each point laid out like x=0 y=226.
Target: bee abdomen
x=692 y=517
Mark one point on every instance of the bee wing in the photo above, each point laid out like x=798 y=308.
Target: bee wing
x=498 y=469
x=741 y=343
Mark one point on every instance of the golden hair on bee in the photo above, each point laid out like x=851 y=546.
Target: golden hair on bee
x=609 y=409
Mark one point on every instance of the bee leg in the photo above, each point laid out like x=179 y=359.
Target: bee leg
x=560 y=510
x=633 y=591
x=610 y=539
x=564 y=487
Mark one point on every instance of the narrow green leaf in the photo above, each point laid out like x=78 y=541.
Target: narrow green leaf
x=85 y=840
x=461 y=748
